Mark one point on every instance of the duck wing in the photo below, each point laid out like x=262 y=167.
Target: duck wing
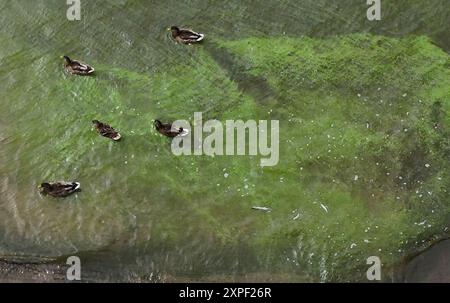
x=61 y=189
x=107 y=131
x=167 y=127
x=81 y=67
x=190 y=35
x=174 y=132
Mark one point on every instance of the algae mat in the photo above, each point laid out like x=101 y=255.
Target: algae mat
x=364 y=141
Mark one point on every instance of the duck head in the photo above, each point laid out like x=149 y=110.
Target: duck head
x=158 y=124
x=174 y=29
x=67 y=59
x=96 y=122
x=44 y=187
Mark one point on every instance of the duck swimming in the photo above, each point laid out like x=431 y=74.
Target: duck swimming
x=167 y=130
x=185 y=36
x=59 y=189
x=107 y=131
x=77 y=68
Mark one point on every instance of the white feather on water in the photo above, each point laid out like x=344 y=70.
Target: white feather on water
x=262 y=208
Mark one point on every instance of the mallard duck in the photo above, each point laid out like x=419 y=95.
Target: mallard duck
x=167 y=130
x=77 y=68
x=185 y=36
x=106 y=131
x=59 y=189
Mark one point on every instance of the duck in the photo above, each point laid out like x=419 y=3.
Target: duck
x=77 y=68
x=185 y=36
x=106 y=130
x=167 y=130
x=59 y=189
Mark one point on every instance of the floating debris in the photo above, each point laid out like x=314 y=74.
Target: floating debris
x=324 y=207
x=262 y=208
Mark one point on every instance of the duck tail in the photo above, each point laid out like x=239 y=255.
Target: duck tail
x=76 y=185
x=184 y=132
x=91 y=70
x=201 y=37
x=117 y=137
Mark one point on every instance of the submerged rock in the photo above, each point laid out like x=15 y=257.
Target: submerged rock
x=431 y=266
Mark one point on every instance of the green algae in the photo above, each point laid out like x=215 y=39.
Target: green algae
x=359 y=138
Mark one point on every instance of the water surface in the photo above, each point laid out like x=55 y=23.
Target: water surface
x=144 y=214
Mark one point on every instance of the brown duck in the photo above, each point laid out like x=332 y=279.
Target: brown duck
x=185 y=36
x=59 y=189
x=107 y=131
x=77 y=68
x=167 y=130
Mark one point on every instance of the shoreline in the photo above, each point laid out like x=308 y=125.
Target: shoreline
x=432 y=265
x=14 y=272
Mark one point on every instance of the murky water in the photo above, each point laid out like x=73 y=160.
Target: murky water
x=143 y=213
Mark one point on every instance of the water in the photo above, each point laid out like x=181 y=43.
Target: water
x=145 y=214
